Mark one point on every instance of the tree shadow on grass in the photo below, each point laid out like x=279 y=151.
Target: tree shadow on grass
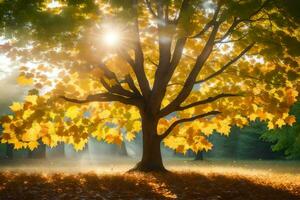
x=135 y=186
x=219 y=187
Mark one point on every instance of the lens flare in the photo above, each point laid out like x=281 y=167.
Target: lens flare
x=111 y=38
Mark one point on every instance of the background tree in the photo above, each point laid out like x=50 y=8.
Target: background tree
x=9 y=151
x=38 y=153
x=287 y=138
x=173 y=69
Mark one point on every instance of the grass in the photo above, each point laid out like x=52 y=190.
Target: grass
x=208 y=180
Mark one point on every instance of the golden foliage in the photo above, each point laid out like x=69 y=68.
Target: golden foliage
x=263 y=88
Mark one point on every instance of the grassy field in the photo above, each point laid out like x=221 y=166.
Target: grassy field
x=207 y=180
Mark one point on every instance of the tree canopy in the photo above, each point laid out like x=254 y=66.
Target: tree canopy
x=177 y=70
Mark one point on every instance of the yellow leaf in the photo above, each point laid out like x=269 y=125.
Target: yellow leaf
x=109 y=139
x=3 y=141
x=32 y=99
x=134 y=113
x=80 y=145
x=32 y=133
x=46 y=140
x=18 y=145
x=27 y=114
x=23 y=80
x=16 y=106
x=270 y=125
x=104 y=114
x=290 y=120
x=208 y=130
x=224 y=127
x=181 y=149
x=118 y=140
x=33 y=145
x=72 y=112
x=280 y=123
x=130 y=136
x=252 y=117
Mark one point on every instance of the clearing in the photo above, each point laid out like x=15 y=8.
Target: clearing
x=207 y=180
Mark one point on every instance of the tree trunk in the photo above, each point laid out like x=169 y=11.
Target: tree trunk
x=199 y=155
x=151 y=157
x=9 y=151
x=58 y=151
x=122 y=151
x=39 y=153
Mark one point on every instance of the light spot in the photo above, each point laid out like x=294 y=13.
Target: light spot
x=111 y=38
x=54 y=4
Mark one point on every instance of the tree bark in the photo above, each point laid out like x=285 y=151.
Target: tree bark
x=199 y=155
x=151 y=158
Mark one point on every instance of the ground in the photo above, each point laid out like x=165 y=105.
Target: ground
x=208 y=180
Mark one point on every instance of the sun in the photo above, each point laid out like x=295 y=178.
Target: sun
x=54 y=4
x=111 y=38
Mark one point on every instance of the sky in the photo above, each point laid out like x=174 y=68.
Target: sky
x=9 y=89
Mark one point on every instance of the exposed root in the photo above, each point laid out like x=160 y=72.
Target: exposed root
x=145 y=168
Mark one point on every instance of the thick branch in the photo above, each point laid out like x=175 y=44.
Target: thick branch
x=131 y=85
x=201 y=59
x=103 y=97
x=183 y=7
x=164 y=74
x=149 y=6
x=188 y=85
x=169 y=130
x=226 y=65
x=116 y=89
x=204 y=30
x=138 y=66
x=205 y=101
x=233 y=40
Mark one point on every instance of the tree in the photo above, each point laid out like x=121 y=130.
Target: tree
x=287 y=138
x=9 y=151
x=199 y=155
x=177 y=70
x=38 y=153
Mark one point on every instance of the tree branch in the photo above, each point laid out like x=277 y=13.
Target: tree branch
x=169 y=130
x=205 y=28
x=210 y=24
x=183 y=6
x=164 y=74
x=138 y=66
x=189 y=82
x=103 y=97
x=116 y=89
x=230 y=29
x=226 y=65
x=233 y=40
x=148 y=4
x=205 y=101
x=131 y=85
x=152 y=62
x=237 y=21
